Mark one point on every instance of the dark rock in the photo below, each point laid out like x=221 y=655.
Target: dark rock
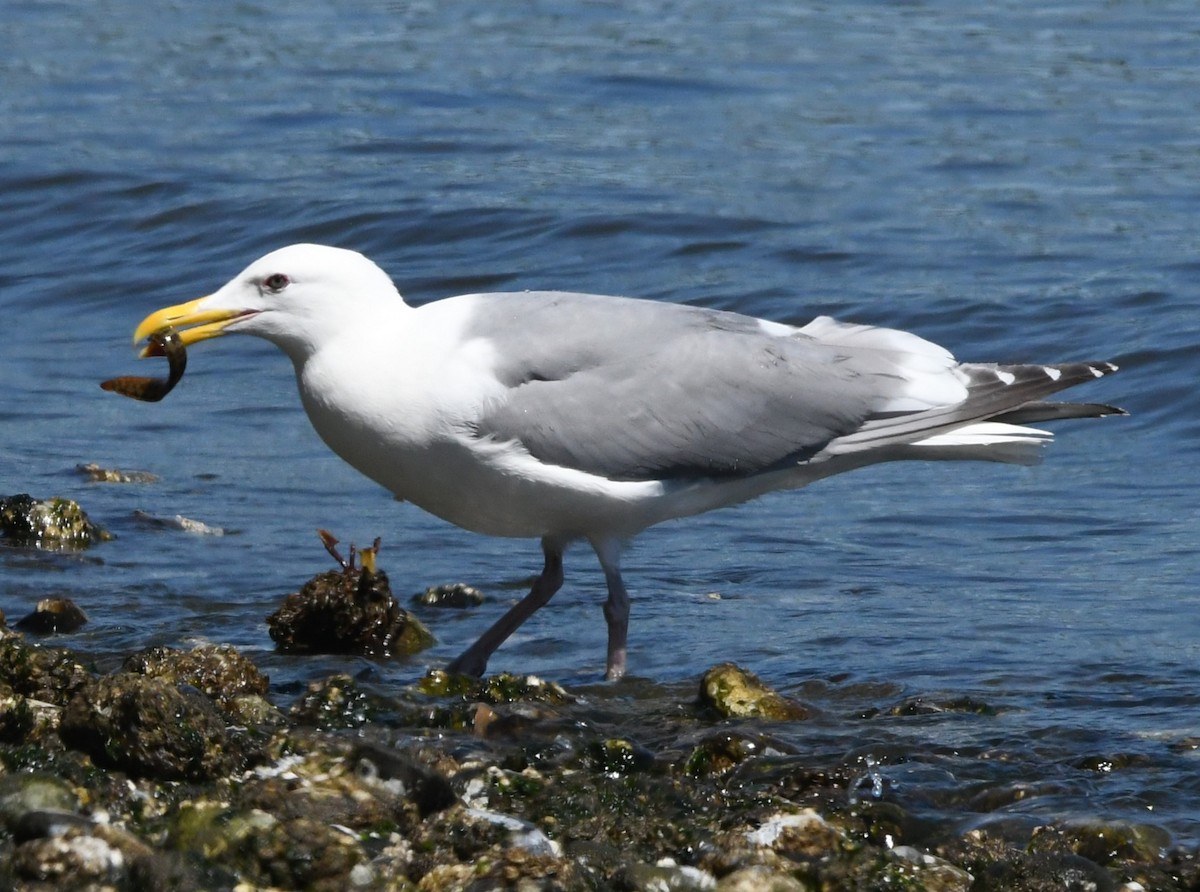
x=57 y=524
x=734 y=692
x=430 y=790
x=147 y=727
x=34 y=793
x=457 y=595
x=47 y=674
x=52 y=616
x=1043 y=873
x=347 y=611
x=229 y=679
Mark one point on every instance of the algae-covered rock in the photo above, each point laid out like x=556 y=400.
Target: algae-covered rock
x=148 y=727
x=53 y=616
x=737 y=693
x=347 y=611
x=57 y=524
x=230 y=679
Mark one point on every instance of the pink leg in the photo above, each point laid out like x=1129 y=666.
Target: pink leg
x=616 y=608
x=474 y=659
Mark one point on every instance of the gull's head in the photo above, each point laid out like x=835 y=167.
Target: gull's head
x=294 y=297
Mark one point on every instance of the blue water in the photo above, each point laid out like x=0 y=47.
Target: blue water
x=1018 y=182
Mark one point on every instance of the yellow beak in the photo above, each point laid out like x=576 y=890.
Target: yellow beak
x=204 y=324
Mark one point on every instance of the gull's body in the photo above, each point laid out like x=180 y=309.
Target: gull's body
x=563 y=416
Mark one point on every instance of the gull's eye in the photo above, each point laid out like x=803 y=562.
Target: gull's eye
x=276 y=282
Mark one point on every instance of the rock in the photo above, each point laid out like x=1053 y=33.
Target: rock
x=21 y=794
x=457 y=595
x=734 y=692
x=721 y=752
x=51 y=616
x=147 y=727
x=75 y=860
x=98 y=474
x=351 y=611
x=667 y=876
x=229 y=679
x=336 y=702
x=404 y=776
x=46 y=674
x=56 y=524
x=758 y=878
x=1103 y=842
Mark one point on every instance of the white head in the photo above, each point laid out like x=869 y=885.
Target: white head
x=294 y=297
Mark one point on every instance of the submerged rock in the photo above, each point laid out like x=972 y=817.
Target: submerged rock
x=736 y=693
x=52 y=524
x=98 y=474
x=457 y=595
x=347 y=611
x=53 y=616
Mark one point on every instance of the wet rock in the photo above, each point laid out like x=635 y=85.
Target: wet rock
x=74 y=860
x=721 y=752
x=1021 y=872
x=456 y=595
x=222 y=674
x=347 y=611
x=98 y=474
x=51 y=616
x=404 y=776
x=734 y=692
x=34 y=792
x=617 y=755
x=47 y=674
x=934 y=873
x=667 y=876
x=56 y=524
x=1103 y=842
x=336 y=702
x=503 y=687
x=179 y=522
x=296 y=853
x=758 y=878
x=933 y=706
x=147 y=727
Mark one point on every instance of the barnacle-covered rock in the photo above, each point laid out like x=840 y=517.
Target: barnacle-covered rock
x=48 y=674
x=57 y=524
x=220 y=672
x=347 y=611
x=148 y=727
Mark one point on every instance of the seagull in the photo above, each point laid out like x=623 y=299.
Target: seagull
x=565 y=416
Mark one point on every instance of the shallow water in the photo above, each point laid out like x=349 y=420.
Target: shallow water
x=1016 y=182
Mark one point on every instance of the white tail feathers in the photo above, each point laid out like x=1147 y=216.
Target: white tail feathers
x=984 y=441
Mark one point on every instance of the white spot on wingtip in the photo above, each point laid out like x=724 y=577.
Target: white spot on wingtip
x=1099 y=373
x=1052 y=373
x=1005 y=377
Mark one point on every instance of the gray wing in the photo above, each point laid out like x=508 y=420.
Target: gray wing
x=637 y=390
x=634 y=389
